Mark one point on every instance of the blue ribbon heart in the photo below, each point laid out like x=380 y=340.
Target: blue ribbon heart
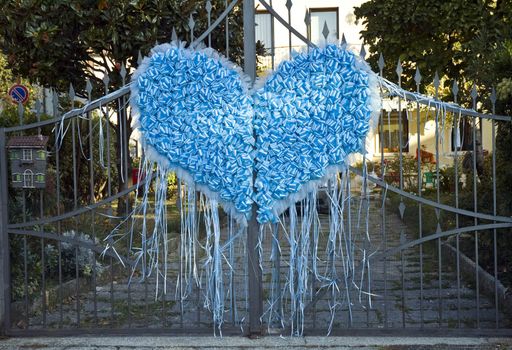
x=196 y=114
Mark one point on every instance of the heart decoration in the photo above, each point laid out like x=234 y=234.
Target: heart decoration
x=197 y=114
x=310 y=115
x=195 y=117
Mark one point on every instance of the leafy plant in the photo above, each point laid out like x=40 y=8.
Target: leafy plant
x=64 y=42
x=470 y=42
x=26 y=257
x=71 y=255
x=447 y=179
x=408 y=167
x=21 y=286
x=458 y=39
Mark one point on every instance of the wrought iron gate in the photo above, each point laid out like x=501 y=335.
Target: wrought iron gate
x=58 y=278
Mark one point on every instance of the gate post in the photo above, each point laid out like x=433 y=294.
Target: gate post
x=254 y=270
x=5 y=270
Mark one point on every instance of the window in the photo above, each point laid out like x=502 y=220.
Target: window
x=28 y=178
x=320 y=17
x=41 y=155
x=462 y=135
x=16 y=177
x=40 y=177
x=27 y=154
x=264 y=30
x=13 y=155
x=390 y=129
x=134 y=149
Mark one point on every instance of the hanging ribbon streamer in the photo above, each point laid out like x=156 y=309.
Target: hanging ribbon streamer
x=196 y=113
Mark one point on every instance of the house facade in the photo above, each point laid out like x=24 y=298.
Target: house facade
x=27 y=158
x=455 y=135
x=338 y=17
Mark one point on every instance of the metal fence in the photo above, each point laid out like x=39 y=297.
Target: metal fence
x=419 y=215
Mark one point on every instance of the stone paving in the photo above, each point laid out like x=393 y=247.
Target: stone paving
x=396 y=284
x=269 y=342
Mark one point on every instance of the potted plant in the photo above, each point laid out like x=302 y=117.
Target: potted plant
x=135 y=170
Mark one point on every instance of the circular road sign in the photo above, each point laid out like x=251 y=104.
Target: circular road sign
x=18 y=93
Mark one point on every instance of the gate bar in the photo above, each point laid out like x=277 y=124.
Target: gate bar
x=254 y=268
x=5 y=270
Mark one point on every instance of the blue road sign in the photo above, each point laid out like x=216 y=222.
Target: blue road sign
x=19 y=93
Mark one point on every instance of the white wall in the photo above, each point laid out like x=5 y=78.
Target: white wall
x=346 y=24
x=428 y=137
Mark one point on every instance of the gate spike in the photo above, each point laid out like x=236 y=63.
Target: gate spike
x=122 y=72
x=289 y=4
x=455 y=89
x=106 y=80
x=307 y=18
x=436 y=81
x=401 y=208
x=139 y=59
x=493 y=95
x=191 y=23
x=474 y=93
x=399 y=69
x=208 y=7
x=55 y=100
x=362 y=53
x=417 y=77
x=88 y=88
x=71 y=92
x=325 y=30
x=381 y=62
x=174 y=36
x=343 y=39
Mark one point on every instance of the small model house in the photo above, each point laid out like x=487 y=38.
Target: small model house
x=27 y=156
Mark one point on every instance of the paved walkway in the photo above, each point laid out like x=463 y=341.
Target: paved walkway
x=402 y=296
x=373 y=343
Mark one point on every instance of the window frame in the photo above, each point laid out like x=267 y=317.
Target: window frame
x=13 y=154
x=16 y=177
x=326 y=9
x=27 y=151
x=465 y=135
x=381 y=132
x=270 y=49
x=28 y=178
x=42 y=175
x=40 y=152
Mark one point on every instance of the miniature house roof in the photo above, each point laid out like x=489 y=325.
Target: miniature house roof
x=32 y=141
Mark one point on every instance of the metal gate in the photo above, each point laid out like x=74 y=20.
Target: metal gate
x=419 y=211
